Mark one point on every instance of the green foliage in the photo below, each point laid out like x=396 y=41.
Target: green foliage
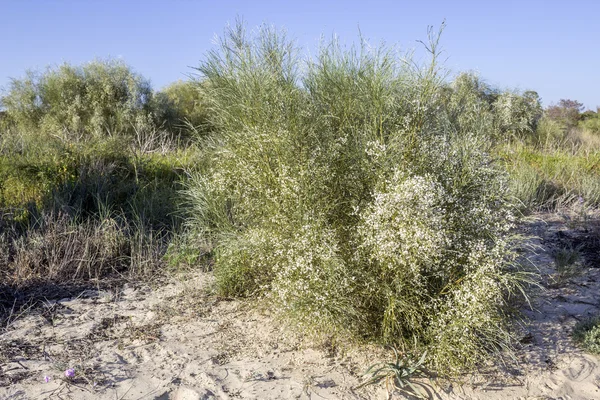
x=468 y=100
x=549 y=132
x=587 y=334
x=558 y=163
x=591 y=123
x=77 y=211
x=250 y=80
x=518 y=115
x=358 y=196
x=98 y=98
x=396 y=374
x=507 y=115
x=180 y=107
x=566 y=261
x=42 y=172
x=549 y=178
x=566 y=112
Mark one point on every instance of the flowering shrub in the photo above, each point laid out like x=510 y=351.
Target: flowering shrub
x=358 y=197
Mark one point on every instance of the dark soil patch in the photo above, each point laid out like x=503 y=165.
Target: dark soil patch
x=586 y=241
x=35 y=298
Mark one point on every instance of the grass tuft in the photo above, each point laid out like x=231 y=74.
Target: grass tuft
x=397 y=375
x=587 y=334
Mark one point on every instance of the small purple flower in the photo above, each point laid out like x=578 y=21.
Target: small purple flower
x=70 y=373
x=580 y=199
x=47 y=379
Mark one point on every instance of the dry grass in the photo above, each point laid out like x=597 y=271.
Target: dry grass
x=59 y=249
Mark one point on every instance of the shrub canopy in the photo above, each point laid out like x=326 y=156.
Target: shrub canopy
x=356 y=192
x=98 y=98
x=180 y=108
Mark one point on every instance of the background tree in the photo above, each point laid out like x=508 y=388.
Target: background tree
x=178 y=107
x=99 y=98
x=567 y=112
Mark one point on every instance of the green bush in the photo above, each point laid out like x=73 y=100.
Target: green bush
x=98 y=98
x=507 y=115
x=591 y=124
x=467 y=100
x=587 y=334
x=89 y=178
x=517 y=115
x=358 y=196
x=180 y=108
x=567 y=112
x=549 y=133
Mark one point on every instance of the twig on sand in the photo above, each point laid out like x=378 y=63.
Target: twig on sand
x=127 y=391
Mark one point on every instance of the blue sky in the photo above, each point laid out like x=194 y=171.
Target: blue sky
x=548 y=46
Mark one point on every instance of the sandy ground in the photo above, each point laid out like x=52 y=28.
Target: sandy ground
x=175 y=341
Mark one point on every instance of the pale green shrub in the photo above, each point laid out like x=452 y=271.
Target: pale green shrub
x=587 y=334
x=403 y=227
x=591 y=124
x=180 y=108
x=467 y=102
x=245 y=262
x=506 y=115
x=517 y=114
x=98 y=98
x=403 y=237
x=357 y=196
x=312 y=281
